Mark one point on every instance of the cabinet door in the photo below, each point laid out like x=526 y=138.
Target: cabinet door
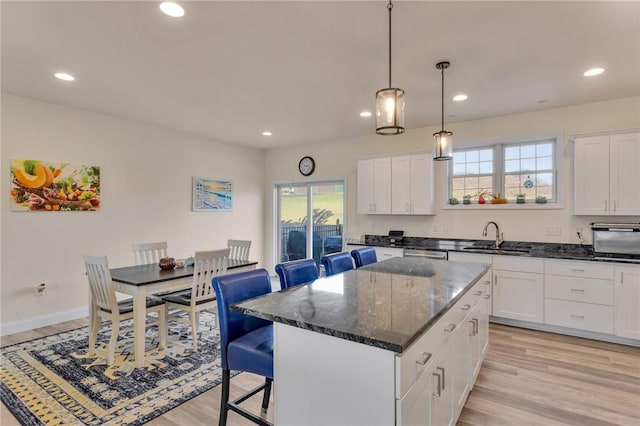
x=479 y=323
x=518 y=295
x=591 y=176
x=627 y=295
x=624 y=184
x=441 y=404
x=461 y=369
x=382 y=186
x=487 y=280
x=421 y=184
x=365 y=186
x=401 y=185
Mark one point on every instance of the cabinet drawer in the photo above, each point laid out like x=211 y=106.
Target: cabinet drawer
x=582 y=316
x=579 y=289
x=572 y=268
x=383 y=253
x=518 y=264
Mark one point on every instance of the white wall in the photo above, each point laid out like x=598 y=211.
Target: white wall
x=146 y=176
x=337 y=159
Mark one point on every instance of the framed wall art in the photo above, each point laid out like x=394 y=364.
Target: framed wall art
x=212 y=195
x=45 y=186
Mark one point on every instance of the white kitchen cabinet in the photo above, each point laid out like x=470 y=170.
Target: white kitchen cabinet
x=412 y=184
x=627 y=301
x=441 y=398
x=518 y=295
x=487 y=259
x=374 y=186
x=579 y=295
x=479 y=323
x=606 y=175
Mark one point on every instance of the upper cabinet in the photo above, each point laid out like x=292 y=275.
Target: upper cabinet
x=374 y=186
x=411 y=184
x=607 y=176
x=396 y=185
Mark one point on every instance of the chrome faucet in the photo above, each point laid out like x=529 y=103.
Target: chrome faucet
x=499 y=235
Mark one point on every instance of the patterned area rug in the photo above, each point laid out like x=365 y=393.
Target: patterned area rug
x=52 y=380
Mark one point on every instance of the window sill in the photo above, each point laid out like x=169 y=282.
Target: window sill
x=507 y=206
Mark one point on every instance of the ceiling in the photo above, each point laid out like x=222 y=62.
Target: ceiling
x=304 y=70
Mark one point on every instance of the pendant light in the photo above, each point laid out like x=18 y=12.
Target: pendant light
x=443 y=138
x=390 y=102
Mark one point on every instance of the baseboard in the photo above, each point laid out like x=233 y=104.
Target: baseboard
x=567 y=331
x=42 y=321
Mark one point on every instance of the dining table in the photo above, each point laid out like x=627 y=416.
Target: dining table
x=142 y=280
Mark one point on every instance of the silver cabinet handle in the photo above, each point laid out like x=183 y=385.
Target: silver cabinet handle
x=487 y=296
x=425 y=357
x=438 y=393
x=444 y=380
x=466 y=307
x=486 y=282
x=621 y=277
x=605 y=205
x=577 y=270
x=495 y=280
x=581 y=290
x=577 y=316
x=614 y=205
x=476 y=326
x=450 y=328
x=473 y=328
x=478 y=293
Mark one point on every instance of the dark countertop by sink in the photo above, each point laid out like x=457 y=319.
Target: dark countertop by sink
x=388 y=304
x=511 y=248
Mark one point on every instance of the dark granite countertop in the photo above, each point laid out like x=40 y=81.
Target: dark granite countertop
x=388 y=304
x=509 y=248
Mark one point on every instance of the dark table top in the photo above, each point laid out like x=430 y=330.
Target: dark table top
x=388 y=304
x=149 y=274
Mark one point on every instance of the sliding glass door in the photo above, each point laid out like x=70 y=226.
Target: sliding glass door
x=310 y=220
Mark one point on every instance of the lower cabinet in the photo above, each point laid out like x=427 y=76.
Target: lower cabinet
x=440 y=391
x=627 y=301
x=518 y=295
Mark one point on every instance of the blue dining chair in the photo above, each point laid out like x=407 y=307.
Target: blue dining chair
x=337 y=262
x=364 y=256
x=296 y=272
x=246 y=342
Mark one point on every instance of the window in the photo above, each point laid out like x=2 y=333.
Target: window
x=508 y=169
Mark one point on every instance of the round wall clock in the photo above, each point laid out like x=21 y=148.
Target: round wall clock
x=307 y=166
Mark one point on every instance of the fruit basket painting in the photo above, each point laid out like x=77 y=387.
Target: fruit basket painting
x=51 y=187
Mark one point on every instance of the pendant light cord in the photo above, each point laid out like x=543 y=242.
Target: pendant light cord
x=442 y=97
x=390 y=6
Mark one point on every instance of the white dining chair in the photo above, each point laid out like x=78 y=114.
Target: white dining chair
x=239 y=249
x=201 y=296
x=105 y=305
x=146 y=253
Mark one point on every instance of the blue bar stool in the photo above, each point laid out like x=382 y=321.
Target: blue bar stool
x=364 y=256
x=337 y=262
x=296 y=272
x=246 y=342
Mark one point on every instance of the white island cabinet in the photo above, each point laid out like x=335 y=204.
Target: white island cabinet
x=392 y=343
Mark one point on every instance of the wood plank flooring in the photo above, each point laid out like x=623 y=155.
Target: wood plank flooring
x=528 y=378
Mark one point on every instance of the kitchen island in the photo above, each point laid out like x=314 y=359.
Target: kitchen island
x=377 y=345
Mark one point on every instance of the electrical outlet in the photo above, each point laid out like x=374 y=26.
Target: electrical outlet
x=554 y=231
x=446 y=228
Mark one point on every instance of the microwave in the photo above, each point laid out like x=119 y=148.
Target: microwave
x=616 y=238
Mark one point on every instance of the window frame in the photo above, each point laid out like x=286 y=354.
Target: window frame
x=498 y=146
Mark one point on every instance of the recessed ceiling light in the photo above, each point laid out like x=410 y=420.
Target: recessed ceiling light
x=460 y=97
x=365 y=114
x=267 y=133
x=172 y=9
x=593 y=71
x=64 y=76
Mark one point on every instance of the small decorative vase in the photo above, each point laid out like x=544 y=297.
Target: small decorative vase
x=520 y=199
x=466 y=200
x=167 y=263
x=481 y=200
x=541 y=200
x=453 y=201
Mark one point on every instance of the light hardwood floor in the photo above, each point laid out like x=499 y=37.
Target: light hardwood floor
x=528 y=378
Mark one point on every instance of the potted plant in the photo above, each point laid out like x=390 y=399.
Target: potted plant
x=466 y=199
x=520 y=198
x=453 y=201
x=541 y=199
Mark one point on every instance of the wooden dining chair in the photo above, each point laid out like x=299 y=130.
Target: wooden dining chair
x=106 y=305
x=146 y=253
x=200 y=296
x=239 y=249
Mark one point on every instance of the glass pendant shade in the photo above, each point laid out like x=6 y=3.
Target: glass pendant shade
x=444 y=145
x=390 y=111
